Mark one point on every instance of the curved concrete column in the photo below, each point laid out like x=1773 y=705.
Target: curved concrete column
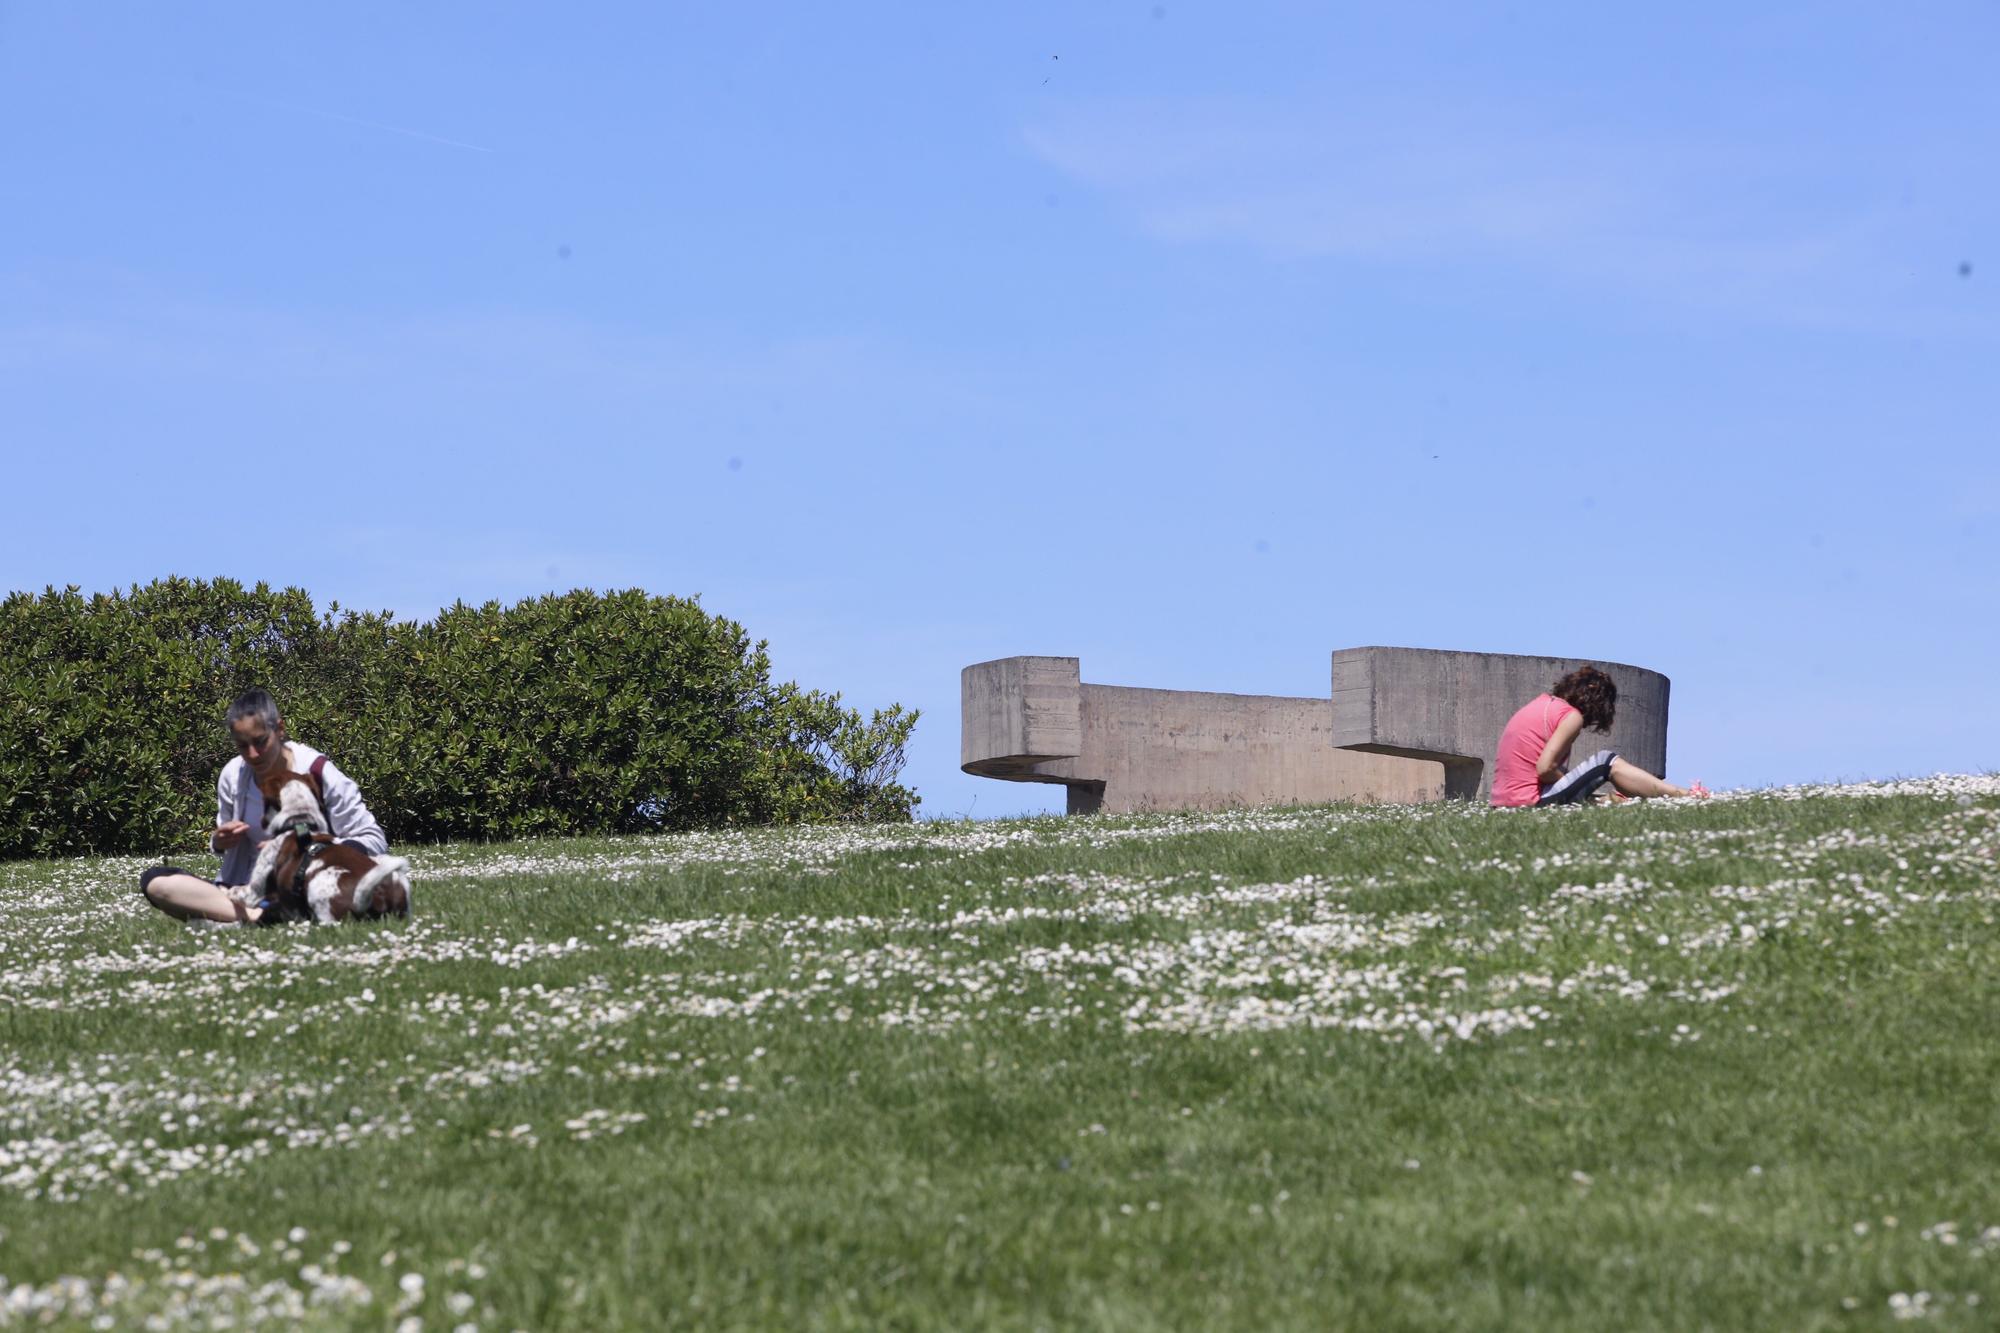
x=1017 y=714
x=1425 y=703
x=1033 y=719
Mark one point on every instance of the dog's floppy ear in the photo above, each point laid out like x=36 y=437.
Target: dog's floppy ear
x=271 y=783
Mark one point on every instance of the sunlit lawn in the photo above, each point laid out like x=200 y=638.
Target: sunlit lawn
x=1682 y=1065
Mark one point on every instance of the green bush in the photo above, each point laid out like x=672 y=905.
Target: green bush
x=578 y=713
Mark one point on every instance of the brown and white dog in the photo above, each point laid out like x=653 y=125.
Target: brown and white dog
x=304 y=875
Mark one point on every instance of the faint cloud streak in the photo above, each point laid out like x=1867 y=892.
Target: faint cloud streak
x=423 y=135
x=1710 y=223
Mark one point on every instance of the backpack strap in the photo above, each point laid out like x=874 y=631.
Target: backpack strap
x=318 y=771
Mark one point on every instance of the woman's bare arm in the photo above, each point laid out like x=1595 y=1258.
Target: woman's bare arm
x=1550 y=766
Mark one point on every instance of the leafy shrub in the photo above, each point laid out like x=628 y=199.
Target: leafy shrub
x=573 y=713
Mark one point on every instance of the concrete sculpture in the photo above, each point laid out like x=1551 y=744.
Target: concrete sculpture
x=1404 y=724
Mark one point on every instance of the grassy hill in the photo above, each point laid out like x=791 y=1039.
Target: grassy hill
x=1728 y=1064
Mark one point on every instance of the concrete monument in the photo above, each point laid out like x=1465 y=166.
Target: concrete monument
x=1403 y=724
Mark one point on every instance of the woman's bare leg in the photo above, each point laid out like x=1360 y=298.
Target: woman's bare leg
x=1634 y=781
x=190 y=897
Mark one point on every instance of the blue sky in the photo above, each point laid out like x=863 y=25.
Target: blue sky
x=1193 y=340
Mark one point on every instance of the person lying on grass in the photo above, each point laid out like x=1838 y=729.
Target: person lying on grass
x=1532 y=767
x=261 y=750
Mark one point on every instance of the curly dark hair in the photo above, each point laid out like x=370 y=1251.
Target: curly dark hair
x=1593 y=694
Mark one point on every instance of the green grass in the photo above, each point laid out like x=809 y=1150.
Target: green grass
x=1729 y=1065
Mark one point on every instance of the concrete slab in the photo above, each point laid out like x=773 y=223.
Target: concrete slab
x=1117 y=749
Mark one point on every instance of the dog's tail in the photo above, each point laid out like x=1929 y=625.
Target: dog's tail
x=392 y=869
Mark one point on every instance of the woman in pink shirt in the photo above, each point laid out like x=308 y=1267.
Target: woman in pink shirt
x=1535 y=745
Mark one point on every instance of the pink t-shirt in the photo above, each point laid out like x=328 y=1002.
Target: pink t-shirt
x=1522 y=741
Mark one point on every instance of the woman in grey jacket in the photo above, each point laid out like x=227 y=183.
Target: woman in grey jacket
x=261 y=748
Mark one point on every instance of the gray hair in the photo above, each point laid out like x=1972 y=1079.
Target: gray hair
x=255 y=703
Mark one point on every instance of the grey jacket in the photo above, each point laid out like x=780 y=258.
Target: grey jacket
x=237 y=797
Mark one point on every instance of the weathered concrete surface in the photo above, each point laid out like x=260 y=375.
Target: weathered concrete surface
x=1423 y=703
x=1017 y=714
x=1032 y=719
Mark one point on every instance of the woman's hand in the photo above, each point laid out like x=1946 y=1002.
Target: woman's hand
x=228 y=835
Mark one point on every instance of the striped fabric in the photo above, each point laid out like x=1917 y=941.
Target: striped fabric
x=1577 y=784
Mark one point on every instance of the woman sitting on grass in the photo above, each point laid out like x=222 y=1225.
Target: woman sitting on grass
x=261 y=748
x=1535 y=744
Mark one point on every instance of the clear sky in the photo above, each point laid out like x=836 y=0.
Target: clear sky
x=1195 y=340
